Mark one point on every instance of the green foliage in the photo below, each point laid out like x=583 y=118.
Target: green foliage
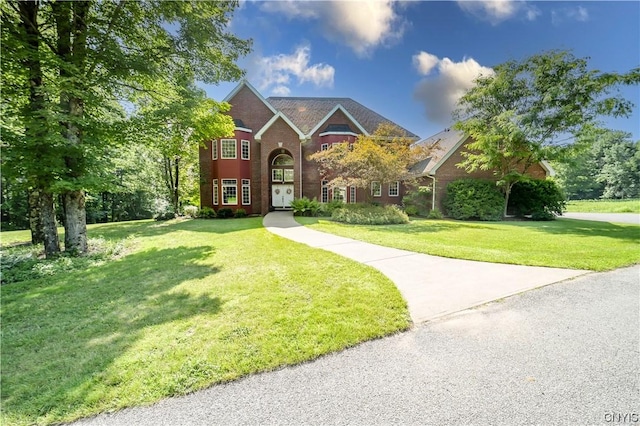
x=604 y=206
x=542 y=199
x=207 y=213
x=435 y=214
x=417 y=201
x=473 y=199
x=327 y=209
x=240 y=213
x=601 y=164
x=367 y=214
x=166 y=214
x=190 y=211
x=305 y=207
x=224 y=213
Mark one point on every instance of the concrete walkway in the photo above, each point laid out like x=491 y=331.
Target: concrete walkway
x=432 y=286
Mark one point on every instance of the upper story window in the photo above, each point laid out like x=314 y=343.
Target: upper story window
x=283 y=160
x=245 y=150
x=214 y=149
x=324 y=147
x=228 y=148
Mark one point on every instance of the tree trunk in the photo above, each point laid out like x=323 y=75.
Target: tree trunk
x=48 y=216
x=35 y=217
x=506 y=199
x=176 y=193
x=75 y=236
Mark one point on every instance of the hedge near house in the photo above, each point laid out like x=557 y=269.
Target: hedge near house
x=542 y=199
x=473 y=199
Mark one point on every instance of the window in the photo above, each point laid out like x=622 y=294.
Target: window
x=246 y=192
x=228 y=148
x=215 y=192
x=230 y=191
x=288 y=175
x=376 y=189
x=324 y=192
x=324 y=147
x=352 y=194
x=340 y=194
x=394 y=189
x=246 y=149
x=214 y=149
x=277 y=175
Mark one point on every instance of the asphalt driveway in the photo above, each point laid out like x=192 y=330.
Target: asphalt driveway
x=633 y=218
x=563 y=354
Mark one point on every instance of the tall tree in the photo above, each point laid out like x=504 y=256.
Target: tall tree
x=384 y=156
x=517 y=115
x=73 y=64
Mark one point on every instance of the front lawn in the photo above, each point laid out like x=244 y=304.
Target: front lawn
x=604 y=206
x=566 y=243
x=190 y=304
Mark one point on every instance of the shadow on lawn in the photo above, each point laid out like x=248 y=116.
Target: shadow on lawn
x=584 y=228
x=60 y=337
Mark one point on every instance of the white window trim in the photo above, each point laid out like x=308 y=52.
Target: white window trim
x=244 y=142
x=246 y=184
x=352 y=194
x=273 y=175
x=229 y=185
x=395 y=185
x=375 y=193
x=235 y=151
x=339 y=190
x=324 y=186
x=214 y=149
x=215 y=192
x=324 y=147
x=284 y=175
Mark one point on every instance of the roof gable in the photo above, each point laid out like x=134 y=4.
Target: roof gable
x=258 y=136
x=448 y=141
x=245 y=83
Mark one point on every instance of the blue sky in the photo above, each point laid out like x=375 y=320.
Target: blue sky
x=411 y=60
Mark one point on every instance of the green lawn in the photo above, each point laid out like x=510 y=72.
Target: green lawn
x=191 y=304
x=562 y=243
x=604 y=206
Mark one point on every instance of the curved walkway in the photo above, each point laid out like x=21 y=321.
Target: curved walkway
x=432 y=286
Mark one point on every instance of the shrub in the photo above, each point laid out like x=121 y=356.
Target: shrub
x=434 y=214
x=327 y=209
x=474 y=199
x=305 y=207
x=225 y=213
x=207 y=213
x=542 y=199
x=240 y=213
x=191 y=211
x=418 y=200
x=167 y=214
x=366 y=214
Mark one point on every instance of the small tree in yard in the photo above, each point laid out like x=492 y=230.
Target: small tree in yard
x=384 y=156
x=516 y=116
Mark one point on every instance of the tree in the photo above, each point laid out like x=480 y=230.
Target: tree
x=517 y=115
x=71 y=68
x=384 y=157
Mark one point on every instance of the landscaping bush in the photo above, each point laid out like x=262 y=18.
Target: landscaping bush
x=327 y=209
x=474 y=199
x=167 y=214
x=240 y=213
x=207 y=213
x=191 y=211
x=366 y=214
x=542 y=199
x=305 y=207
x=417 y=200
x=434 y=214
x=225 y=213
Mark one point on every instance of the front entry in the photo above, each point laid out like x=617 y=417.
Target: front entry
x=281 y=195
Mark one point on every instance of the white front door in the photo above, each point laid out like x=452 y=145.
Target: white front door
x=281 y=195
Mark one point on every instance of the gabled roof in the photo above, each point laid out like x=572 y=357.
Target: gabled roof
x=309 y=113
x=245 y=83
x=448 y=141
x=275 y=118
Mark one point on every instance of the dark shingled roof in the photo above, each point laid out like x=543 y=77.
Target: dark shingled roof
x=338 y=128
x=446 y=140
x=306 y=113
x=238 y=123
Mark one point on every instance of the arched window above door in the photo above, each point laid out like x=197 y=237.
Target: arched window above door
x=282 y=160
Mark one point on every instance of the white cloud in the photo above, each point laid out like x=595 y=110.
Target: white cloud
x=440 y=93
x=360 y=25
x=277 y=72
x=424 y=62
x=580 y=14
x=496 y=11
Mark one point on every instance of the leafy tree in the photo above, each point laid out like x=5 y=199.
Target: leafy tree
x=385 y=156
x=70 y=67
x=601 y=164
x=517 y=115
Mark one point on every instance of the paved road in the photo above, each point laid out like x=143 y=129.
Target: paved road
x=564 y=354
x=432 y=286
x=633 y=218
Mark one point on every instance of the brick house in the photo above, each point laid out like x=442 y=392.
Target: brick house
x=265 y=165
x=438 y=170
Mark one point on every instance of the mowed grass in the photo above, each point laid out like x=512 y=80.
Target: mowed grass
x=565 y=243
x=192 y=304
x=604 y=206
